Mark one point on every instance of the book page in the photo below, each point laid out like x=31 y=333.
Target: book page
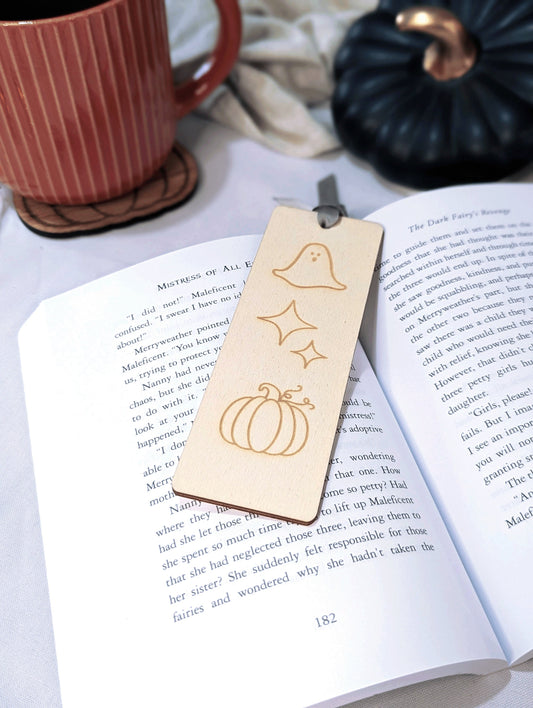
x=450 y=334
x=157 y=598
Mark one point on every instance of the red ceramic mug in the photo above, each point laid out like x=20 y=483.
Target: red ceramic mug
x=88 y=109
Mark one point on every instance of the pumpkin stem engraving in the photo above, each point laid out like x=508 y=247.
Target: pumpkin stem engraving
x=287 y=395
x=452 y=53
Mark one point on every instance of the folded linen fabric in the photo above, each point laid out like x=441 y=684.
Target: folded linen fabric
x=283 y=72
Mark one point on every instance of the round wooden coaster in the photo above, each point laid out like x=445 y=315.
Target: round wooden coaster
x=169 y=186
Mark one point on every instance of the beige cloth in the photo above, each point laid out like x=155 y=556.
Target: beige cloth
x=284 y=69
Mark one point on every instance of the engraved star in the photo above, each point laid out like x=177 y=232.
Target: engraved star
x=308 y=354
x=287 y=322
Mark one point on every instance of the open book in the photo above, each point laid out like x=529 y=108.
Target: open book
x=419 y=564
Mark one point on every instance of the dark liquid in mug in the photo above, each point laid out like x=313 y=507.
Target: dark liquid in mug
x=24 y=10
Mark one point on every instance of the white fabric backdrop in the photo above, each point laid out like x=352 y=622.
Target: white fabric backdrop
x=284 y=67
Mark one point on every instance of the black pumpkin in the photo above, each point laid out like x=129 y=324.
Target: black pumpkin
x=427 y=132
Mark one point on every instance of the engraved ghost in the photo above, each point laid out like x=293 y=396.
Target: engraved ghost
x=312 y=268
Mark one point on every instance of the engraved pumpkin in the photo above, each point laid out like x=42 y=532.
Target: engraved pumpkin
x=272 y=423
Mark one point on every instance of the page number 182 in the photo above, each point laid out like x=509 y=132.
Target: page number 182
x=326 y=620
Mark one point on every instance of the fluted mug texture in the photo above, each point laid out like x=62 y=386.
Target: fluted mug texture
x=87 y=104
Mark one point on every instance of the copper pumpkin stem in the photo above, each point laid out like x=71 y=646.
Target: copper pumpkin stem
x=452 y=53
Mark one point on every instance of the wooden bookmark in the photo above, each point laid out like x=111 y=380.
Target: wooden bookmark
x=263 y=435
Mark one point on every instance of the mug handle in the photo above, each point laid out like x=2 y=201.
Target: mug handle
x=215 y=69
